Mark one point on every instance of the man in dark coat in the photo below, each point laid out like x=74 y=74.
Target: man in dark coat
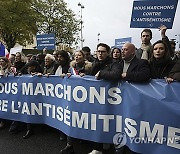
x=134 y=69
x=104 y=67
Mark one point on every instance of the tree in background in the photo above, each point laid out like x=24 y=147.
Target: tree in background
x=17 y=22
x=58 y=19
x=21 y=20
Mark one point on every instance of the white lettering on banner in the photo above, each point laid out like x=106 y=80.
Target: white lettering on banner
x=99 y=96
x=157 y=130
x=152 y=19
x=87 y=121
x=79 y=93
x=155 y=7
x=172 y=132
x=36 y=109
x=76 y=120
x=114 y=93
x=83 y=92
x=130 y=130
x=25 y=109
x=67 y=117
x=8 y=88
x=106 y=121
x=3 y=105
x=151 y=13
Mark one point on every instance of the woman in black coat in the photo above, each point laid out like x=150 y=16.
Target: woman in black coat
x=160 y=62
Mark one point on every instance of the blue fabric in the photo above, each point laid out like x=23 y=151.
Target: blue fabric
x=2 y=49
x=153 y=13
x=134 y=110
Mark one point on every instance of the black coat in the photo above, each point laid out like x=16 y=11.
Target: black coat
x=138 y=70
x=161 y=68
x=109 y=70
x=175 y=72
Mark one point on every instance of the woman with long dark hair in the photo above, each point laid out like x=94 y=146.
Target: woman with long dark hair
x=160 y=62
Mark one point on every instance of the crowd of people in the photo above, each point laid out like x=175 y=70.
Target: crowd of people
x=150 y=61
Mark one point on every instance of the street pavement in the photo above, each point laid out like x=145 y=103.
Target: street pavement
x=45 y=140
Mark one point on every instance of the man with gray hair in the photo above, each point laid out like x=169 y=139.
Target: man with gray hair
x=50 y=65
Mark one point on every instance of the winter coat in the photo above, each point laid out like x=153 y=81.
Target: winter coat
x=109 y=70
x=138 y=70
x=175 y=72
x=160 y=68
x=85 y=67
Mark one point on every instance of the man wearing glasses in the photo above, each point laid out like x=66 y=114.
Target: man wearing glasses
x=104 y=67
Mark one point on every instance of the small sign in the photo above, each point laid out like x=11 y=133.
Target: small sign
x=121 y=41
x=15 y=50
x=45 y=41
x=153 y=13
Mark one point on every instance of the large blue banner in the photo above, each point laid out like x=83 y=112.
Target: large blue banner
x=145 y=117
x=153 y=13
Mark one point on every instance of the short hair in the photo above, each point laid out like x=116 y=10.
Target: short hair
x=105 y=46
x=147 y=31
x=64 y=54
x=86 y=49
x=50 y=57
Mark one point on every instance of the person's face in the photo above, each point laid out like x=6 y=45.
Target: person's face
x=60 y=58
x=78 y=57
x=116 y=54
x=101 y=53
x=127 y=52
x=18 y=57
x=145 y=37
x=87 y=54
x=29 y=58
x=2 y=63
x=48 y=61
x=159 y=51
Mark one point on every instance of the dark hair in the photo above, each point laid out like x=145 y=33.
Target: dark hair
x=5 y=59
x=147 y=31
x=64 y=54
x=166 y=55
x=86 y=49
x=113 y=51
x=105 y=46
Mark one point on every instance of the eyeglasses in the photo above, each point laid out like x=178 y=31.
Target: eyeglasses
x=101 y=51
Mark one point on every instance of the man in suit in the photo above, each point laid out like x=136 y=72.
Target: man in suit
x=134 y=69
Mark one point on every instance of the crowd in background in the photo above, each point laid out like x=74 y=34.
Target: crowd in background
x=150 y=61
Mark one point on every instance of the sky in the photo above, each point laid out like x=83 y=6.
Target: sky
x=111 y=18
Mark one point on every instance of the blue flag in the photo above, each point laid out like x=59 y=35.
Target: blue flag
x=2 y=49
